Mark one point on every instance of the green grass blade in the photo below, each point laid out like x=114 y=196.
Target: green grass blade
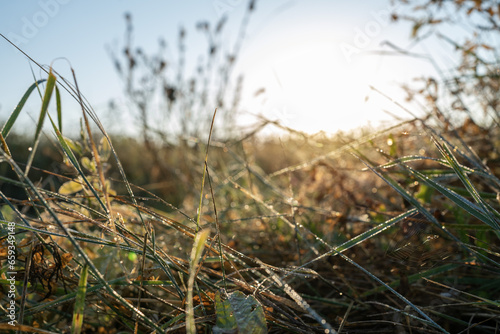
x=459 y=200
x=13 y=117
x=50 y=211
x=49 y=88
x=356 y=240
x=415 y=277
x=198 y=246
x=205 y=167
x=74 y=162
x=487 y=210
x=372 y=232
x=59 y=109
x=76 y=326
x=404 y=299
x=413 y=201
x=422 y=210
x=70 y=296
x=464 y=192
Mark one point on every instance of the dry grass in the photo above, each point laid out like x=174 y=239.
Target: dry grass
x=394 y=231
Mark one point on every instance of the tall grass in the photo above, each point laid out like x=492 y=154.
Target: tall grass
x=394 y=230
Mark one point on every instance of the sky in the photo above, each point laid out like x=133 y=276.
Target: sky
x=316 y=59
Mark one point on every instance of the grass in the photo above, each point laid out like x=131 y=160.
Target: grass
x=394 y=230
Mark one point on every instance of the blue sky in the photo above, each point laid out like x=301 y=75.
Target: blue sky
x=307 y=54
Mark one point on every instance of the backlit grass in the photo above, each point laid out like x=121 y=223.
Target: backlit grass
x=392 y=230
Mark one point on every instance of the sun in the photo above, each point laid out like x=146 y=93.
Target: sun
x=311 y=87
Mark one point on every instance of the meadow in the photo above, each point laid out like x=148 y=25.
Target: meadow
x=374 y=230
x=390 y=230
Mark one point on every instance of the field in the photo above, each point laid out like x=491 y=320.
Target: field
x=222 y=229
x=382 y=230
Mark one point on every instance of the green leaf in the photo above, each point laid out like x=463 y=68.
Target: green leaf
x=74 y=146
x=6 y=213
x=70 y=187
x=239 y=314
x=226 y=322
x=89 y=165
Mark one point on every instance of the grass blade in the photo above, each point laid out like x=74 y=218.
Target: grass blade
x=74 y=161
x=43 y=202
x=459 y=200
x=49 y=88
x=488 y=211
x=59 y=109
x=198 y=246
x=205 y=167
x=13 y=117
x=76 y=326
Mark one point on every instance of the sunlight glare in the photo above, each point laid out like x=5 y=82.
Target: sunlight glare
x=311 y=87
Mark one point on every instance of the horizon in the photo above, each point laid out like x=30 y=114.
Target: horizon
x=313 y=62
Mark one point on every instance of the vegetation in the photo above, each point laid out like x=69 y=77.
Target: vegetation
x=384 y=230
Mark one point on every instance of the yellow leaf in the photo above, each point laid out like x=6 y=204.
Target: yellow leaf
x=70 y=187
x=104 y=149
x=89 y=164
